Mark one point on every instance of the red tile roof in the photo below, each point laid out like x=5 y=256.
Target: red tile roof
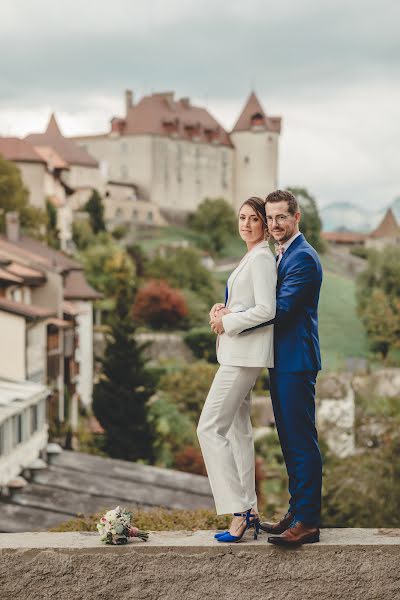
x=60 y=323
x=344 y=237
x=253 y=114
x=69 y=309
x=38 y=253
x=12 y=148
x=77 y=288
x=66 y=148
x=28 y=311
x=160 y=114
x=387 y=228
x=8 y=278
x=51 y=157
x=27 y=274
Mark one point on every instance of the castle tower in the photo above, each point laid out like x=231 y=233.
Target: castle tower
x=255 y=138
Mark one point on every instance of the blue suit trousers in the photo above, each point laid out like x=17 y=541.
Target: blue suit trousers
x=293 y=401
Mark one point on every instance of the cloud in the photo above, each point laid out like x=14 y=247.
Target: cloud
x=329 y=68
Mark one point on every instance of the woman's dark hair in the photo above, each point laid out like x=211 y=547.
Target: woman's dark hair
x=258 y=205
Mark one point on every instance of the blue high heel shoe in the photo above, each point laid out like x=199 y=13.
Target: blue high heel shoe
x=251 y=521
x=221 y=533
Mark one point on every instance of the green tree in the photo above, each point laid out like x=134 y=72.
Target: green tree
x=216 y=220
x=82 y=234
x=182 y=269
x=381 y=318
x=363 y=490
x=173 y=430
x=120 y=398
x=310 y=224
x=52 y=233
x=104 y=260
x=378 y=299
x=94 y=206
x=15 y=197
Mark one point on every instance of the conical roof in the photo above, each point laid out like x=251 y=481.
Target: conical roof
x=67 y=149
x=388 y=227
x=52 y=127
x=254 y=109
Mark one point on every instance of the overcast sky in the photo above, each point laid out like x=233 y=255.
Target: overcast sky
x=330 y=68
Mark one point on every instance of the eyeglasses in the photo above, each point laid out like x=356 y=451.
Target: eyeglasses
x=280 y=219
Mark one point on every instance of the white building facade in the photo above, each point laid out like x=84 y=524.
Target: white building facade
x=177 y=154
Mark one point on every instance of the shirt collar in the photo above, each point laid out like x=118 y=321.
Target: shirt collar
x=287 y=244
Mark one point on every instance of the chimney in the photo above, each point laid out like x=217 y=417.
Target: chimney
x=12 y=226
x=128 y=100
x=185 y=102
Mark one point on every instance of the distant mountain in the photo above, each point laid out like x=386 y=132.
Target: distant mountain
x=346 y=216
x=396 y=208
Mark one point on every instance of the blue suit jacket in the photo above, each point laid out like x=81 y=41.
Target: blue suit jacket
x=296 y=341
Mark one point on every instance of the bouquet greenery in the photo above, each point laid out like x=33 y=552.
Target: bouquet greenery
x=116 y=527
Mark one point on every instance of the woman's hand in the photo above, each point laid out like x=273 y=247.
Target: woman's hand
x=216 y=322
x=215 y=308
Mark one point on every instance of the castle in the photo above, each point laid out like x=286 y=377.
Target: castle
x=175 y=154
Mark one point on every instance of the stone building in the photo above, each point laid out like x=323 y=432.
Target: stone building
x=46 y=308
x=177 y=154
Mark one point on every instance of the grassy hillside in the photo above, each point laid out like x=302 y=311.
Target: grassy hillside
x=341 y=331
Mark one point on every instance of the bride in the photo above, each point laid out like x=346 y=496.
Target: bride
x=224 y=430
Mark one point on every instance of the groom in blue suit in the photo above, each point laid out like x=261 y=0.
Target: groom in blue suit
x=297 y=362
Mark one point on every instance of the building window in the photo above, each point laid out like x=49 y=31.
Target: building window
x=179 y=163
x=124 y=147
x=246 y=160
x=119 y=213
x=134 y=214
x=150 y=217
x=224 y=167
x=34 y=418
x=2 y=440
x=124 y=171
x=17 y=426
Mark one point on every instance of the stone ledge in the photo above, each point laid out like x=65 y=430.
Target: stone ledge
x=347 y=564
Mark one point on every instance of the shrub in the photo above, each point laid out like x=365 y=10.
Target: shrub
x=173 y=430
x=160 y=306
x=188 y=388
x=190 y=460
x=202 y=343
x=182 y=268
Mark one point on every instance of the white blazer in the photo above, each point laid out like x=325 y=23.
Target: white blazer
x=252 y=300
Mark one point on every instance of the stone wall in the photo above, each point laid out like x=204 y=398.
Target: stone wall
x=351 y=564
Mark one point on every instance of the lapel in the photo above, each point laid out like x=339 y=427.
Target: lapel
x=238 y=269
x=291 y=248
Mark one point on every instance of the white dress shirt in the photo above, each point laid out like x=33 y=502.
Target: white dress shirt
x=287 y=244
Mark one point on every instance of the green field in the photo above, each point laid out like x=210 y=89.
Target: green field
x=341 y=332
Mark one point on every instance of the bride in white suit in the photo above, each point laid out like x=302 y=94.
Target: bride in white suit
x=224 y=430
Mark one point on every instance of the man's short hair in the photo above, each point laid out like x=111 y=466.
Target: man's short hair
x=286 y=196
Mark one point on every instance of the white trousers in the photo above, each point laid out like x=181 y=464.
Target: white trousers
x=226 y=438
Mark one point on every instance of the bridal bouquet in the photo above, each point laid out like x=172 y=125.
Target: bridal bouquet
x=115 y=527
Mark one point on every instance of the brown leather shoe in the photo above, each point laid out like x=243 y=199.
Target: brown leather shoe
x=277 y=528
x=297 y=534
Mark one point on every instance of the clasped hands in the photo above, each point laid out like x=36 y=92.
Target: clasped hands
x=216 y=314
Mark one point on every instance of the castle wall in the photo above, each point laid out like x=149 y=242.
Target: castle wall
x=256 y=163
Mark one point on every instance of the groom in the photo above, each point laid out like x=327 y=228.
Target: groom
x=297 y=362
